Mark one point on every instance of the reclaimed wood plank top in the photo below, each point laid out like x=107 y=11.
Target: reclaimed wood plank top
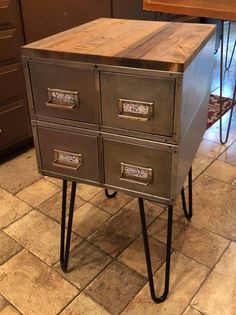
x=216 y=9
x=141 y=44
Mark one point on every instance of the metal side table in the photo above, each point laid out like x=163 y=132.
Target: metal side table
x=121 y=104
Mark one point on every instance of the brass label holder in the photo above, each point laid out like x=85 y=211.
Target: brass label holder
x=68 y=160
x=62 y=98
x=136 y=174
x=135 y=110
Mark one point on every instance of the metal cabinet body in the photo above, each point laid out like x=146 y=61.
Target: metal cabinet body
x=125 y=128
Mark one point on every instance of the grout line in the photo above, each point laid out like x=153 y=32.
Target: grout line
x=221 y=181
x=28 y=185
x=16 y=220
x=64 y=307
x=9 y=303
x=212 y=270
x=125 y=204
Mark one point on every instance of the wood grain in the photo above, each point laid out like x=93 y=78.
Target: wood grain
x=142 y=44
x=217 y=9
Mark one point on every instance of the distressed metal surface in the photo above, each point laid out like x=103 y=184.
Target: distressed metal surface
x=158 y=91
x=159 y=160
x=81 y=81
x=74 y=146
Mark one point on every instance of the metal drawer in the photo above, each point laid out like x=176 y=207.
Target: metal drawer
x=67 y=153
x=138 y=168
x=139 y=103
x=11 y=82
x=14 y=124
x=64 y=92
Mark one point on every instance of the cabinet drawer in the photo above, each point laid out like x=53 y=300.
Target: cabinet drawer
x=11 y=35
x=139 y=103
x=68 y=153
x=9 y=44
x=138 y=168
x=14 y=124
x=11 y=82
x=64 y=92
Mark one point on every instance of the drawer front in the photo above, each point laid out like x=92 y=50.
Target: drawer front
x=64 y=92
x=14 y=124
x=138 y=168
x=9 y=44
x=11 y=35
x=68 y=153
x=11 y=82
x=138 y=103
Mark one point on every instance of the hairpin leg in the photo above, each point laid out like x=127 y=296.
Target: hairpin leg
x=110 y=195
x=65 y=244
x=155 y=298
x=227 y=66
x=188 y=212
x=223 y=141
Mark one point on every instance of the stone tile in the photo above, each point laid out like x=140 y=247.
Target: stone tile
x=217 y=295
x=19 y=172
x=87 y=191
x=112 y=205
x=115 y=287
x=134 y=256
x=229 y=155
x=40 y=235
x=9 y=310
x=213 y=206
x=186 y=277
x=3 y=302
x=8 y=246
x=200 y=163
x=213 y=134
x=116 y=234
x=222 y=171
x=38 y=192
x=198 y=243
x=86 y=261
x=12 y=208
x=56 y=181
x=88 y=218
x=33 y=287
x=211 y=149
x=191 y=311
x=84 y=305
x=52 y=206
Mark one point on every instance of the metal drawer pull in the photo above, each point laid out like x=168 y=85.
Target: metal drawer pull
x=136 y=174
x=67 y=159
x=137 y=110
x=62 y=98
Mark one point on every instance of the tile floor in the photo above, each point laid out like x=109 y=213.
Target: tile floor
x=107 y=265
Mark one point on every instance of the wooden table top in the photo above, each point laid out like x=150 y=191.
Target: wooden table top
x=217 y=9
x=140 y=44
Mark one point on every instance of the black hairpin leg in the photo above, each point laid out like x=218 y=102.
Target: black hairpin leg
x=110 y=195
x=223 y=141
x=155 y=298
x=188 y=212
x=228 y=65
x=65 y=244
